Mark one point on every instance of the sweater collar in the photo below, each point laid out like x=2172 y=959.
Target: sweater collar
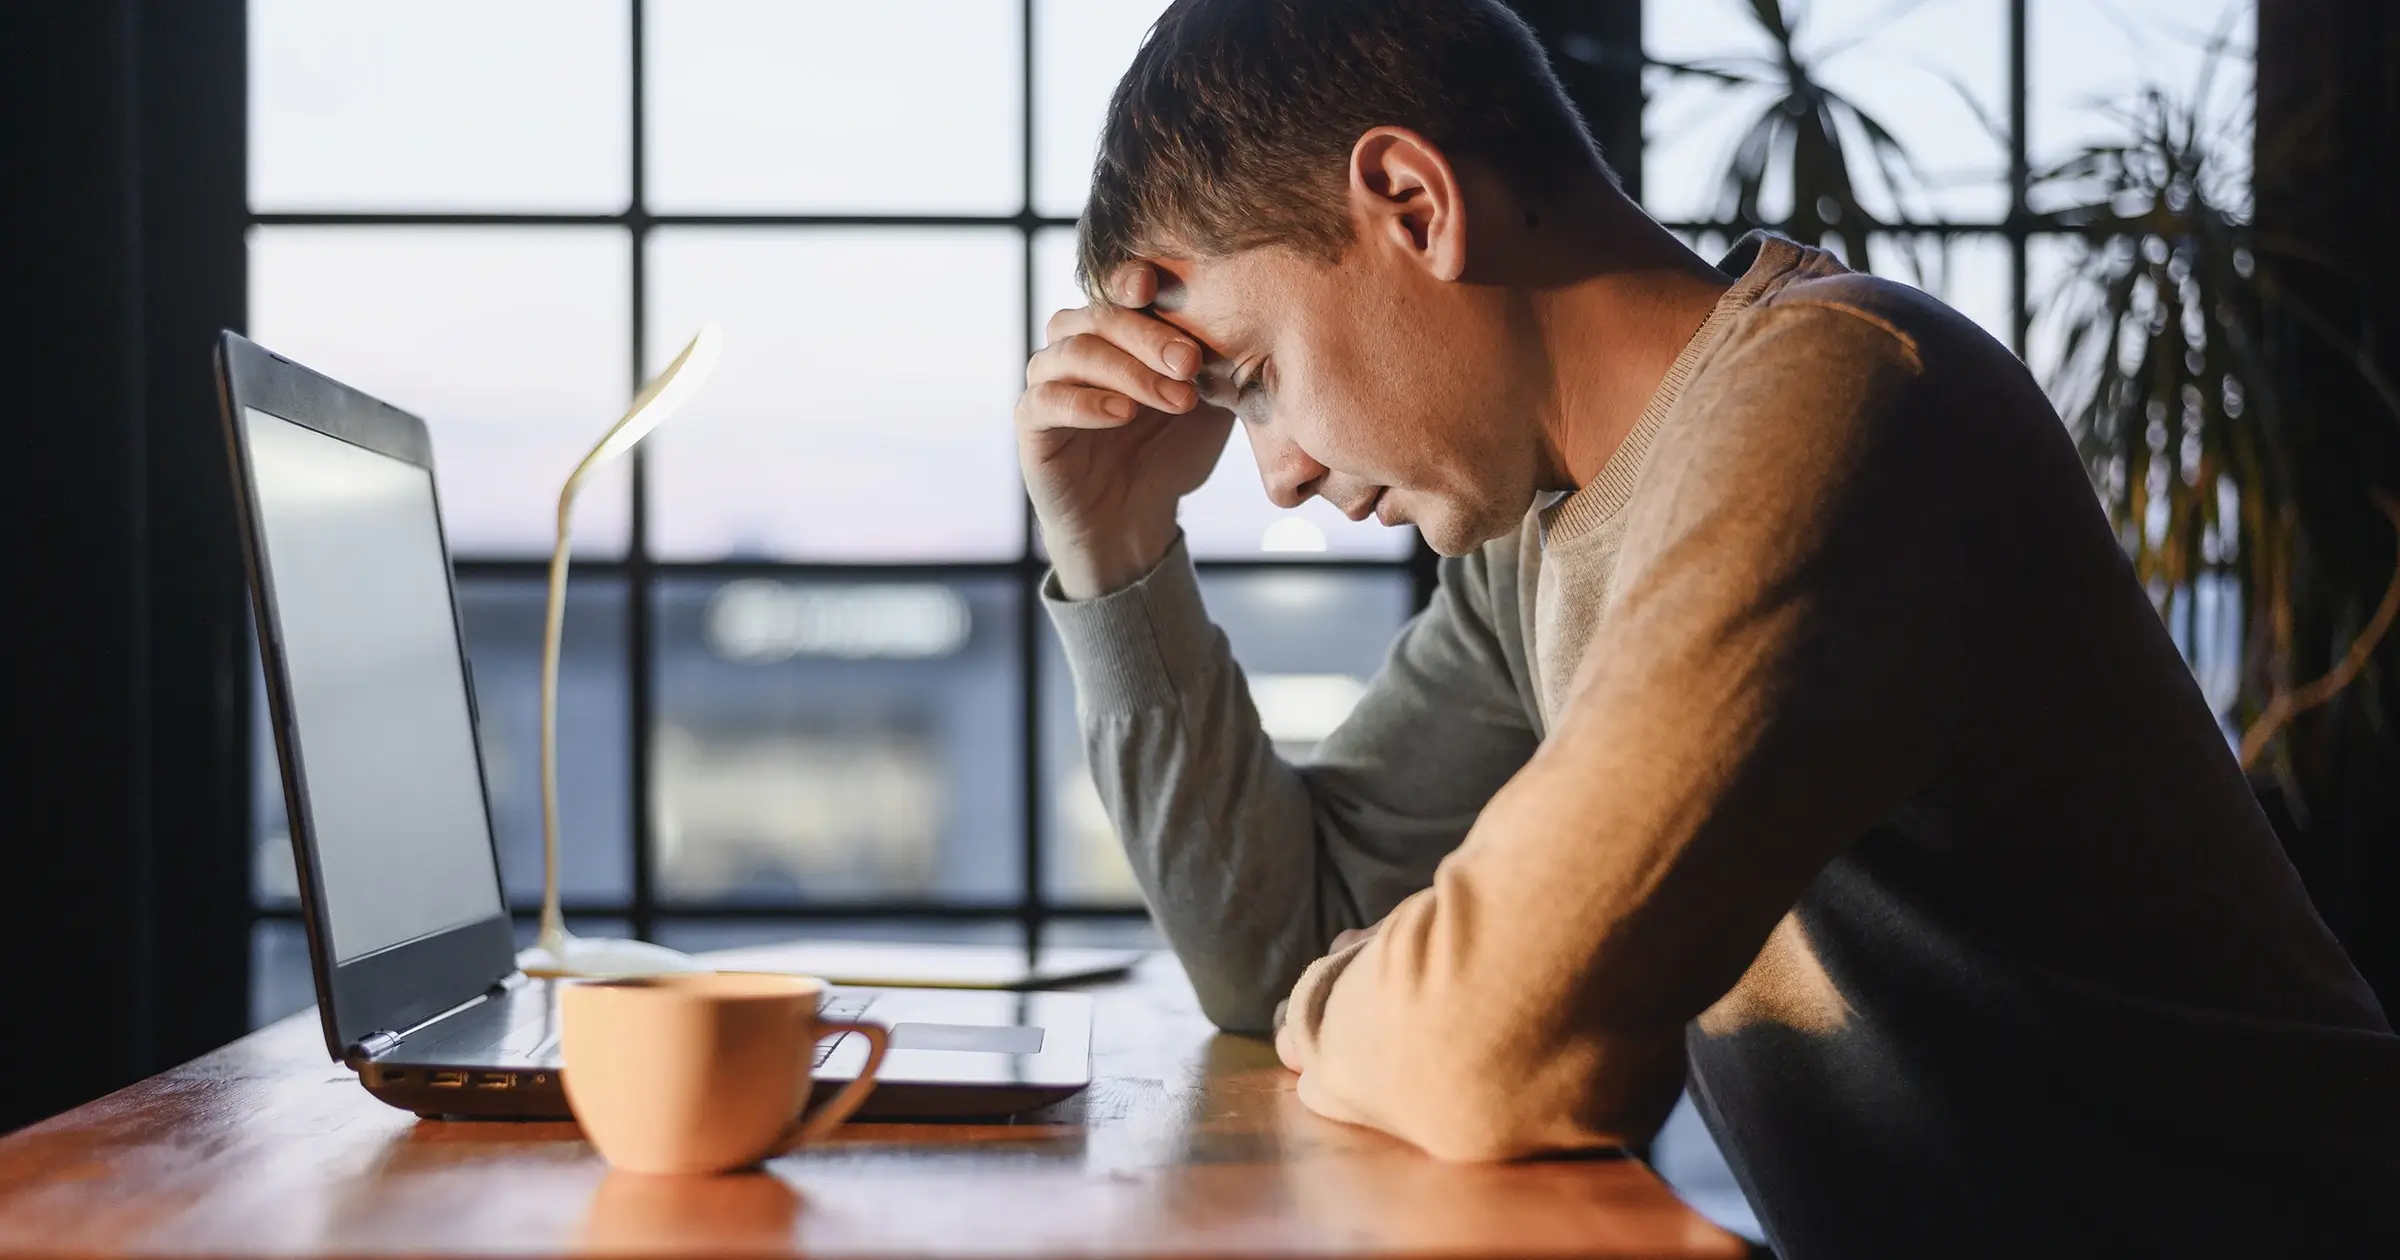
x=1763 y=262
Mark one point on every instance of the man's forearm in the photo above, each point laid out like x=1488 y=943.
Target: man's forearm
x=1221 y=834
x=1252 y=865
x=1089 y=566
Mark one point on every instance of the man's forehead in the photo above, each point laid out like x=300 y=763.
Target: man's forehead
x=1207 y=300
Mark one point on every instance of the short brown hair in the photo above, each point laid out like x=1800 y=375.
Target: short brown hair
x=1233 y=127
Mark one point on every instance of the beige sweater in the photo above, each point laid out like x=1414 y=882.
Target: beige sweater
x=1824 y=743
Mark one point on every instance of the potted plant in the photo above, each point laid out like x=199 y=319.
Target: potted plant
x=2162 y=375
x=2223 y=381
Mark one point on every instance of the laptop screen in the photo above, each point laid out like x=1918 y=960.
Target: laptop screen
x=378 y=690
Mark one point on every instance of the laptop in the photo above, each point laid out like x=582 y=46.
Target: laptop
x=373 y=709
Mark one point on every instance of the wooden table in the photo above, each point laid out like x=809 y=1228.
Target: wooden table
x=1187 y=1144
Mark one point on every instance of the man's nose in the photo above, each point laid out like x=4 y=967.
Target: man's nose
x=1291 y=477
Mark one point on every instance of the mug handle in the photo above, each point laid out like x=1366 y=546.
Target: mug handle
x=812 y=1126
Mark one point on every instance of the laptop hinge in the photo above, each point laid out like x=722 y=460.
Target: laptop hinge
x=375 y=1043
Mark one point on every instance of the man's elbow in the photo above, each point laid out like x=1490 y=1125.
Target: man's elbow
x=1478 y=1108
x=1499 y=1125
x=1484 y=1138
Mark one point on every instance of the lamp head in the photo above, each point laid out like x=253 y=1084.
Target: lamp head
x=667 y=391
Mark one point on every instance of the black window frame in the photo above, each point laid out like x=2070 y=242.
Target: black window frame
x=640 y=574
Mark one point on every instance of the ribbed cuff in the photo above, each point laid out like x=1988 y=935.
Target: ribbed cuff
x=1127 y=648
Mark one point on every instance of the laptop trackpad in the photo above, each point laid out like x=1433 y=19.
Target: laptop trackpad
x=982 y=1038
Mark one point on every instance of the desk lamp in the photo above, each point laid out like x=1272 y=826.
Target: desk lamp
x=554 y=952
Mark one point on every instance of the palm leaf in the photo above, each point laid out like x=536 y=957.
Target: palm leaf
x=1823 y=146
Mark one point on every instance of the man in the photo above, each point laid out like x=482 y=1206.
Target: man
x=1786 y=714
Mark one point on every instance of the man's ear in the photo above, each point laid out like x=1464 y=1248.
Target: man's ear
x=1404 y=192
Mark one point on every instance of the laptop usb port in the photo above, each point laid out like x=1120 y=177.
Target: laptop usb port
x=447 y=1080
x=495 y=1080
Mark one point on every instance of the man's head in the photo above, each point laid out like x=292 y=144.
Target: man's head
x=1302 y=172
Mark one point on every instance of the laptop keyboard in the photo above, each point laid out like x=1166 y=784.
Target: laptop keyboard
x=534 y=1038
x=838 y=1007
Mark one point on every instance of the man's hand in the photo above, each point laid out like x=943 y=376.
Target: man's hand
x=1111 y=433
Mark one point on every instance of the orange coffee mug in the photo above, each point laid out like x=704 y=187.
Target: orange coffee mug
x=702 y=1071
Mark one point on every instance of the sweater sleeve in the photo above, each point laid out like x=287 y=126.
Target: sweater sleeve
x=1251 y=864
x=1774 y=676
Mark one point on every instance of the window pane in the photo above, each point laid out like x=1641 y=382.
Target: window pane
x=1690 y=125
x=2054 y=295
x=1081 y=48
x=440 y=105
x=1230 y=516
x=280 y=983
x=1308 y=642
x=1969 y=271
x=862 y=408
x=901 y=106
x=503 y=619
x=1924 y=71
x=823 y=741
x=1686 y=1157
x=2084 y=56
x=511 y=343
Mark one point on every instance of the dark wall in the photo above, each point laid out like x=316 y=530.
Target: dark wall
x=126 y=862
x=2328 y=182
x=1596 y=48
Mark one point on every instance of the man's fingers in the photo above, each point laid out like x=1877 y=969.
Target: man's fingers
x=1093 y=359
x=1134 y=284
x=1067 y=405
x=1168 y=350
x=1066 y=323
